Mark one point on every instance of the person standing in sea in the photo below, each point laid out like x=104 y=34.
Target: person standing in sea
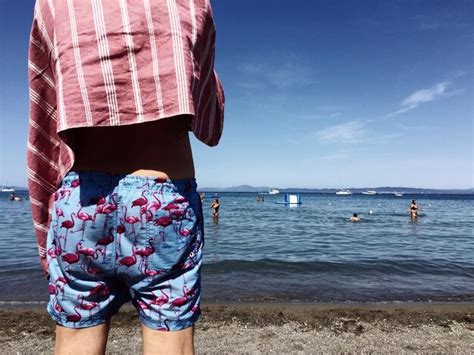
x=115 y=86
x=414 y=210
x=215 y=210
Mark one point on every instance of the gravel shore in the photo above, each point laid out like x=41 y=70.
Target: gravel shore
x=278 y=328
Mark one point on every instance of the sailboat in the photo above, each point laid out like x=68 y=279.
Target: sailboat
x=7 y=189
x=369 y=192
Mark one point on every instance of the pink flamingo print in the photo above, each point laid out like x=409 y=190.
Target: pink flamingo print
x=74 y=318
x=92 y=270
x=141 y=201
x=144 y=211
x=180 y=199
x=106 y=208
x=145 y=253
x=163 y=221
x=171 y=206
x=148 y=209
x=151 y=272
x=129 y=261
x=63 y=193
x=105 y=241
x=57 y=307
x=178 y=214
x=120 y=230
x=84 y=217
x=179 y=302
x=131 y=220
x=68 y=224
x=148 y=216
x=59 y=212
x=189 y=292
x=143 y=306
x=183 y=233
x=71 y=258
x=87 y=306
x=61 y=282
x=88 y=253
x=101 y=290
x=161 y=300
x=155 y=205
x=75 y=183
x=55 y=250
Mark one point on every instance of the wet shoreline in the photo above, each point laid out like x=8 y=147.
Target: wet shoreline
x=264 y=327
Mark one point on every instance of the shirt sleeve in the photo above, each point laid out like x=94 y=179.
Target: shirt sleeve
x=209 y=121
x=43 y=141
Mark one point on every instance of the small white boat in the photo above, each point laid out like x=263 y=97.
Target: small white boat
x=6 y=188
x=398 y=194
x=273 y=191
x=344 y=192
x=369 y=192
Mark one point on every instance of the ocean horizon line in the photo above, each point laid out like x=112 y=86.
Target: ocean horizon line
x=356 y=190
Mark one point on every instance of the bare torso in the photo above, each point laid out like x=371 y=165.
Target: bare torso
x=159 y=149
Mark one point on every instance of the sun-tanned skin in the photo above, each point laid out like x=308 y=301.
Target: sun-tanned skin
x=160 y=149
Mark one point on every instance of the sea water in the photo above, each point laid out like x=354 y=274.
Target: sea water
x=264 y=251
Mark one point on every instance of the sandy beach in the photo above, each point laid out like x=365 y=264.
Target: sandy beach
x=279 y=328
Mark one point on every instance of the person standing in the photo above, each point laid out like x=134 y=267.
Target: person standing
x=414 y=209
x=115 y=87
x=215 y=210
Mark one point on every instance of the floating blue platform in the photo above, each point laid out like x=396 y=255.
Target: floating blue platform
x=291 y=199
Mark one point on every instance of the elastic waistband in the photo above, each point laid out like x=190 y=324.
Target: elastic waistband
x=126 y=180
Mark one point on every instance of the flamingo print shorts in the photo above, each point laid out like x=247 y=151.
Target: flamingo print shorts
x=120 y=238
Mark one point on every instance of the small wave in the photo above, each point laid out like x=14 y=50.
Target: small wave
x=388 y=267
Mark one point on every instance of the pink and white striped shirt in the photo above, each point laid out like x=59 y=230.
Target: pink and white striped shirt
x=112 y=63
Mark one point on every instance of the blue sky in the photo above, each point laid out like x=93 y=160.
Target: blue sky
x=319 y=94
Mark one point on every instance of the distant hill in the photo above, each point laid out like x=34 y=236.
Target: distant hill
x=380 y=190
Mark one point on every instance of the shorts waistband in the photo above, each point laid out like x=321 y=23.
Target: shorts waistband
x=126 y=180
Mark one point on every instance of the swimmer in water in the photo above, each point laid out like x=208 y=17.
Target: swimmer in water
x=355 y=218
x=215 y=206
x=414 y=209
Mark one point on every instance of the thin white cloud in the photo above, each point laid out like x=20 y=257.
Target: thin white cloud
x=429 y=26
x=287 y=75
x=346 y=133
x=423 y=96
